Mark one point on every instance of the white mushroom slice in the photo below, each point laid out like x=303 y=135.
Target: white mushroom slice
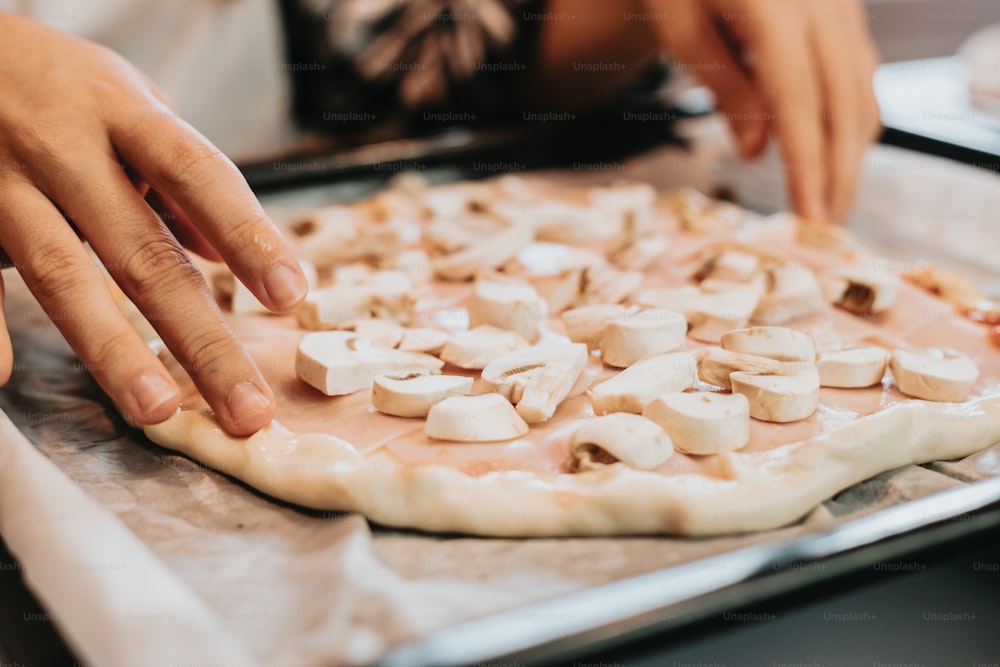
x=507 y=304
x=483 y=418
x=717 y=365
x=698 y=213
x=714 y=314
x=730 y=265
x=413 y=394
x=352 y=273
x=387 y=295
x=709 y=315
x=336 y=234
x=381 y=333
x=619 y=438
x=478 y=347
x=793 y=292
x=452 y=233
x=778 y=343
x=562 y=221
x=861 y=290
x=935 y=375
x=486 y=253
x=623 y=196
x=603 y=284
x=633 y=388
x=536 y=379
x=639 y=253
x=339 y=363
x=586 y=324
x=702 y=422
x=414 y=264
x=779 y=398
x=424 y=339
x=628 y=339
x=852 y=368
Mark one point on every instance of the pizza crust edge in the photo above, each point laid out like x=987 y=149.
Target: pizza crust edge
x=762 y=491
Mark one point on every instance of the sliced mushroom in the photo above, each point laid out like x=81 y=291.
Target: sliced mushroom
x=779 y=343
x=793 y=292
x=413 y=394
x=483 y=418
x=852 y=368
x=536 y=379
x=381 y=333
x=779 y=398
x=335 y=234
x=414 y=264
x=628 y=339
x=934 y=375
x=621 y=437
x=478 y=347
x=709 y=315
x=339 y=362
x=423 y=339
x=702 y=422
x=604 y=284
x=486 y=253
x=731 y=266
x=861 y=291
x=386 y=295
x=586 y=324
x=507 y=304
x=633 y=388
x=717 y=365
x=701 y=214
x=638 y=254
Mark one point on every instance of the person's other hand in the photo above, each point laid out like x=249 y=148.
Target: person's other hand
x=800 y=69
x=82 y=133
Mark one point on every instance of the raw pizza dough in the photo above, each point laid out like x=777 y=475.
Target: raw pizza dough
x=338 y=453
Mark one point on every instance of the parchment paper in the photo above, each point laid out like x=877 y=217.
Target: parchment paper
x=303 y=588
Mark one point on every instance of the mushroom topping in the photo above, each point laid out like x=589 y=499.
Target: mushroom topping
x=779 y=398
x=478 y=347
x=486 y=253
x=628 y=339
x=717 y=365
x=861 y=291
x=386 y=294
x=339 y=362
x=506 y=304
x=536 y=379
x=483 y=418
x=633 y=388
x=709 y=314
x=852 y=368
x=413 y=394
x=423 y=339
x=779 y=343
x=702 y=422
x=335 y=234
x=934 y=375
x=586 y=324
x=731 y=266
x=621 y=437
x=793 y=292
x=638 y=254
x=381 y=333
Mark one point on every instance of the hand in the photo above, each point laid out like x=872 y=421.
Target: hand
x=82 y=133
x=800 y=69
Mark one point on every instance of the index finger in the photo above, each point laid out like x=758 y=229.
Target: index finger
x=786 y=71
x=178 y=161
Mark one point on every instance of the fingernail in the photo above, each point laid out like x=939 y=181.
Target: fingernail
x=284 y=286
x=151 y=392
x=245 y=400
